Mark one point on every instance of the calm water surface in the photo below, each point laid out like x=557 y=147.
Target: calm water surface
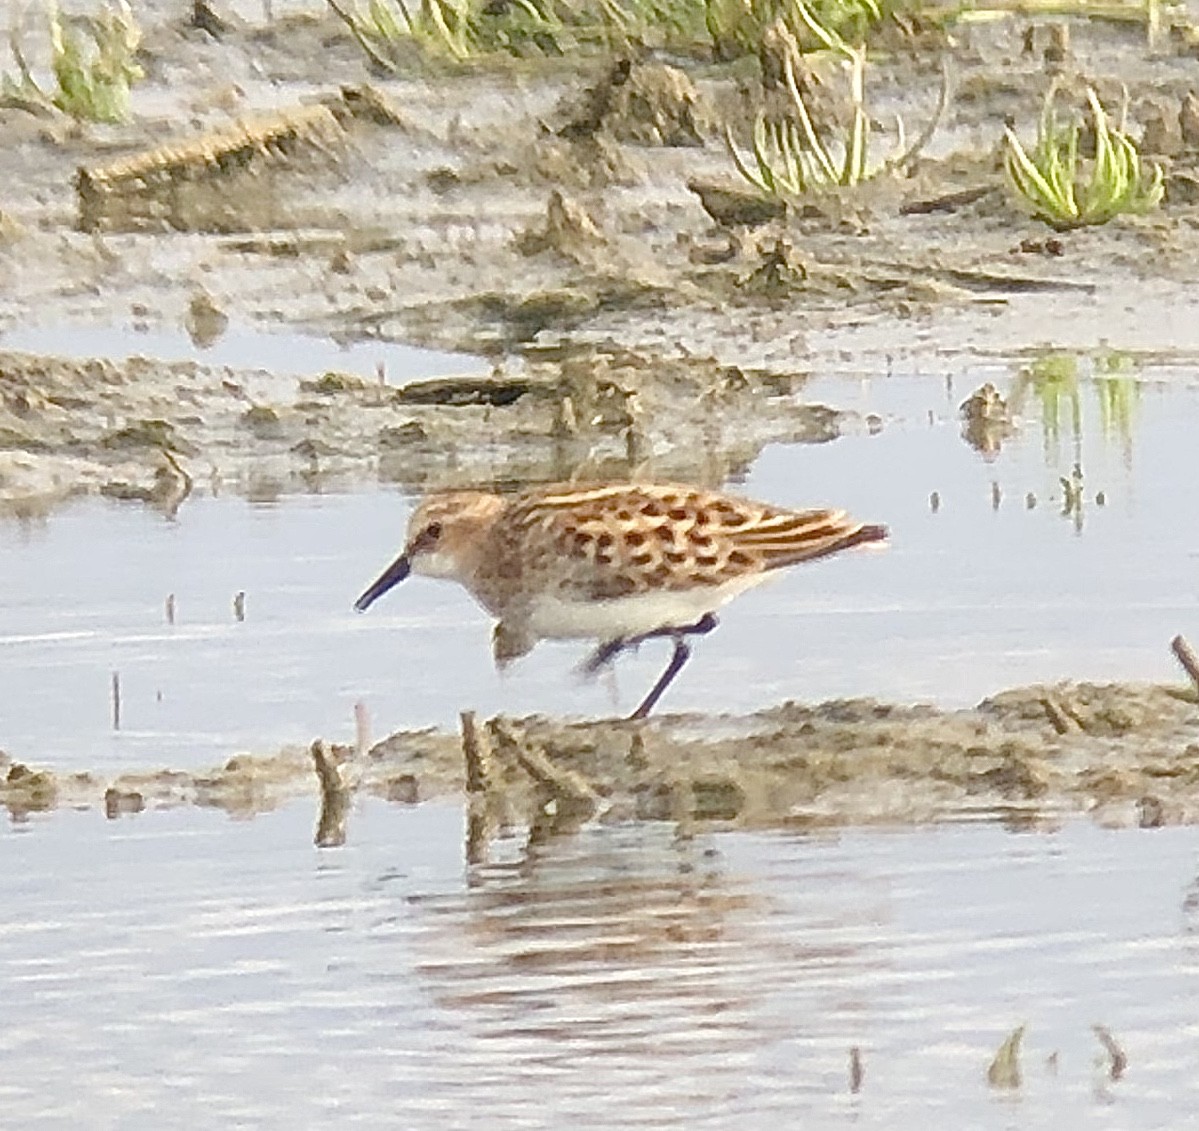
x=183 y=970
x=965 y=602
x=179 y=969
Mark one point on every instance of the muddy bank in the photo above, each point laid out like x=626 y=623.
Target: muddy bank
x=155 y=432
x=1123 y=754
x=517 y=209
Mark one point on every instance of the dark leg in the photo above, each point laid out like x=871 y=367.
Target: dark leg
x=604 y=655
x=682 y=653
x=610 y=649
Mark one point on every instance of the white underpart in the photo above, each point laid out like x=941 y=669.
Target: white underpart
x=624 y=617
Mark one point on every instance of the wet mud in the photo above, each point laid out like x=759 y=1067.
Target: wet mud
x=154 y=432
x=580 y=225
x=1126 y=755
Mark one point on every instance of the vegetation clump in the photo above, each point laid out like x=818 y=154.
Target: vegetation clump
x=1061 y=188
x=94 y=61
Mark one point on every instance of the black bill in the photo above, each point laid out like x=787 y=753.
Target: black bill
x=390 y=577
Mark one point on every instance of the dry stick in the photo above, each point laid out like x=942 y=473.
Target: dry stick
x=1187 y=658
x=116 y=700
x=856 y=1071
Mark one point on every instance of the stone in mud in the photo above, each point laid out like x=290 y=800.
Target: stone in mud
x=736 y=207
x=463 y=392
x=716 y=799
x=205 y=321
x=160 y=434
x=403 y=436
x=263 y=421
x=1161 y=134
x=331 y=384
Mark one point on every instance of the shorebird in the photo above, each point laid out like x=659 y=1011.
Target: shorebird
x=618 y=564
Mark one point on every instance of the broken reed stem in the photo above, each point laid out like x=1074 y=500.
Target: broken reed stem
x=362 y=729
x=476 y=752
x=239 y=606
x=1187 y=658
x=335 y=798
x=570 y=790
x=116 y=700
x=170 y=606
x=856 y=1071
x=481 y=820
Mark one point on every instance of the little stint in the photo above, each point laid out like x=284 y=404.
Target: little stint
x=619 y=564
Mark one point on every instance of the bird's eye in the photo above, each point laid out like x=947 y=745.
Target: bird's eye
x=433 y=531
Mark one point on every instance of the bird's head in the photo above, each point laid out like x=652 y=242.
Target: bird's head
x=446 y=538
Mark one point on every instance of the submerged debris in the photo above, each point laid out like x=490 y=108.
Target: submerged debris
x=986 y=420
x=1004 y=1070
x=1117 y=1059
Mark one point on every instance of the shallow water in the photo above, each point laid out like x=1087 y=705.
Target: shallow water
x=182 y=970
x=966 y=601
x=243 y=347
x=196 y=971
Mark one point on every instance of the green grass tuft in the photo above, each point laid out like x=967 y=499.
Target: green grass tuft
x=1057 y=186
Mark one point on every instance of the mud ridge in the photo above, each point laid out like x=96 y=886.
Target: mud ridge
x=1124 y=754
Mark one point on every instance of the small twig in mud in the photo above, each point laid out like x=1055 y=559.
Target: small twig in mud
x=239 y=606
x=1117 y=1058
x=1004 y=1071
x=116 y=700
x=335 y=799
x=1187 y=658
x=362 y=729
x=856 y=1071
x=948 y=202
x=1063 y=722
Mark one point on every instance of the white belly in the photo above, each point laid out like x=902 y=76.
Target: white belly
x=631 y=616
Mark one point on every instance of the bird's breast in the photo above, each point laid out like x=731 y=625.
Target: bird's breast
x=623 y=617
